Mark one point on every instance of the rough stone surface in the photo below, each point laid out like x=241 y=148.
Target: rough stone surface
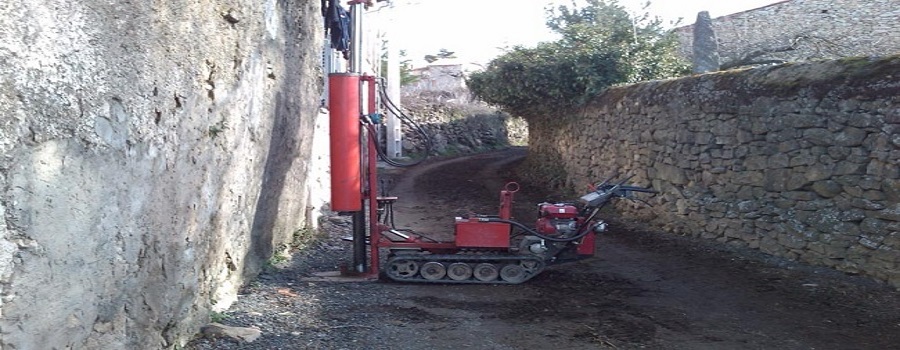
x=238 y=334
x=153 y=155
x=705 y=47
x=797 y=185
x=457 y=127
x=799 y=30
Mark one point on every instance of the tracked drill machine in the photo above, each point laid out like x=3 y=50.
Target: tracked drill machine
x=485 y=248
x=496 y=249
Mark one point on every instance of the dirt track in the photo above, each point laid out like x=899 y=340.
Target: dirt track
x=643 y=290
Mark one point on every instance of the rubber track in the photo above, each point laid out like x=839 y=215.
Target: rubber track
x=448 y=259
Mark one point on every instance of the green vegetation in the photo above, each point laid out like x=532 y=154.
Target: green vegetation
x=601 y=45
x=277 y=259
x=218 y=316
x=217 y=128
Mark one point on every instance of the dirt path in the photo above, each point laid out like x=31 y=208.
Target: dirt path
x=643 y=290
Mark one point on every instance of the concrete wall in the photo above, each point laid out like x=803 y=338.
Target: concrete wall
x=799 y=160
x=153 y=154
x=816 y=29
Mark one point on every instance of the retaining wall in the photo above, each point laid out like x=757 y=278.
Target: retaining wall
x=798 y=160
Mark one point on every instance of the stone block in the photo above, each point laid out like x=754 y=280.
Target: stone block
x=817 y=247
x=799 y=195
x=893 y=278
x=846 y=229
x=866 y=204
x=827 y=188
x=862 y=120
x=796 y=181
x=703 y=138
x=726 y=140
x=836 y=250
x=745 y=193
x=870 y=242
x=671 y=174
x=873 y=226
x=803 y=158
x=838 y=153
x=813 y=205
x=804 y=121
x=779 y=160
x=852 y=191
x=784 y=203
x=819 y=136
x=878 y=142
x=892 y=240
x=776 y=180
x=875 y=168
x=850 y=137
x=744 y=137
x=791 y=241
x=853 y=214
x=788 y=146
x=756 y=162
x=870 y=183
x=817 y=172
x=723 y=129
x=874 y=195
x=771 y=246
x=890 y=212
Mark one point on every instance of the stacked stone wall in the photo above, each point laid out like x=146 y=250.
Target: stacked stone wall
x=798 y=30
x=799 y=160
x=153 y=156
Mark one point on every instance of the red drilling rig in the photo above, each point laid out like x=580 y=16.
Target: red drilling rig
x=485 y=249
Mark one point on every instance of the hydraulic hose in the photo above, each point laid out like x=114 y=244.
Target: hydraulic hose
x=540 y=235
x=390 y=106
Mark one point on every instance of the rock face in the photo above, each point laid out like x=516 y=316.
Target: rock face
x=706 y=49
x=800 y=161
x=152 y=155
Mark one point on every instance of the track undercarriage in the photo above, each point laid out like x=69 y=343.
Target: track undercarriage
x=463 y=267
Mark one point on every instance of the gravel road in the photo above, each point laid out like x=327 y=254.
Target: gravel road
x=643 y=290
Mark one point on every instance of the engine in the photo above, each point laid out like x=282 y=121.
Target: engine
x=557 y=219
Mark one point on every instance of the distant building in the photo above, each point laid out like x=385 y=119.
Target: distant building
x=437 y=77
x=446 y=77
x=798 y=30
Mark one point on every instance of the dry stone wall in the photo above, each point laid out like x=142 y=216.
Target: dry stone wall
x=456 y=127
x=797 y=30
x=153 y=154
x=799 y=160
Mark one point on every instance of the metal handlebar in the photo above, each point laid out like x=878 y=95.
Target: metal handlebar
x=604 y=192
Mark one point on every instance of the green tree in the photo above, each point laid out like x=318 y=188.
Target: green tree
x=601 y=45
x=442 y=53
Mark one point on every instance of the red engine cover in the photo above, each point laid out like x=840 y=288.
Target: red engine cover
x=558 y=211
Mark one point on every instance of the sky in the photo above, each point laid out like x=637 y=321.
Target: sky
x=477 y=30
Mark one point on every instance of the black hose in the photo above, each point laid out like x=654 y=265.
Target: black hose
x=541 y=235
x=405 y=118
x=390 y=106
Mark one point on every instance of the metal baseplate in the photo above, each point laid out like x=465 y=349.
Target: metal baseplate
x=462 y=268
